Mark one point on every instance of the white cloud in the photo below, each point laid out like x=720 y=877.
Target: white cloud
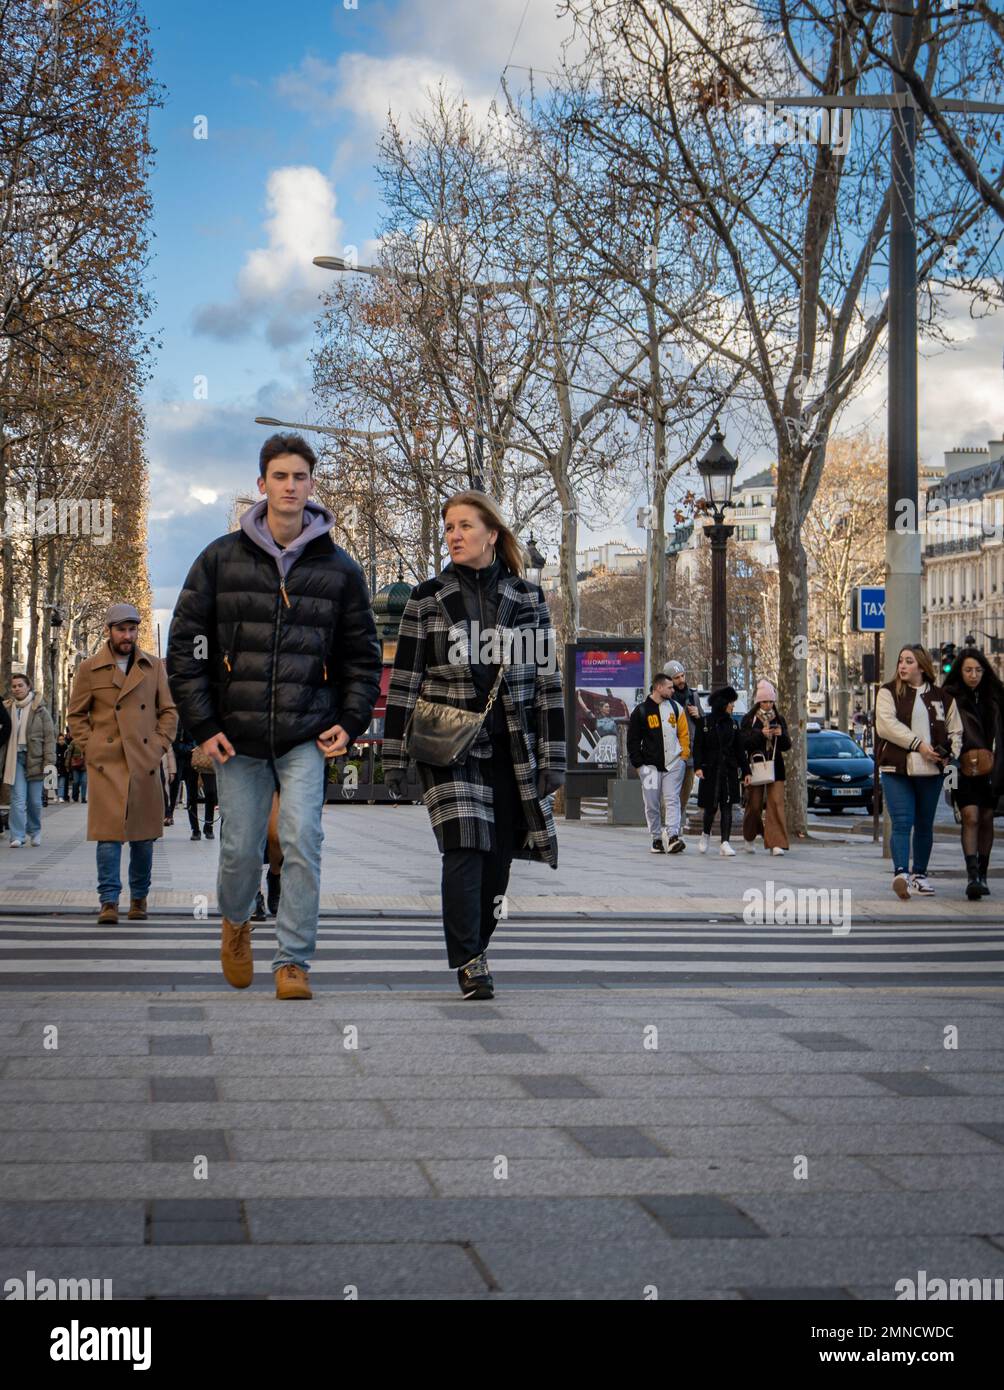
x=368 y=88
x=277 y=285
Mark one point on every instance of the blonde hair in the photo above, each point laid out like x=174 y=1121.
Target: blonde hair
x=490 y=513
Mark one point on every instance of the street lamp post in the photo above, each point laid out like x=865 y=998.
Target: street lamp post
x=718 y=470
x=537 y=561
x=477 y=475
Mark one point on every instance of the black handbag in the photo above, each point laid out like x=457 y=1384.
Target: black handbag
x=442 y=735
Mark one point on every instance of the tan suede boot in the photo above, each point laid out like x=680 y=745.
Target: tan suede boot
x=137 y=910
x=109 y=915
x=235 y=953
x=291 y=983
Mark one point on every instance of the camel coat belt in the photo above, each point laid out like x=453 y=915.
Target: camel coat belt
x=125 y=723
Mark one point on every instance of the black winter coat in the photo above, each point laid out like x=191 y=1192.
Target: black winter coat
x=720 y=755
x=982 y=727
x=271 y=672
x=754 y=741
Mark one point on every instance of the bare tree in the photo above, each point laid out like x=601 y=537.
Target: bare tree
x=801 y=225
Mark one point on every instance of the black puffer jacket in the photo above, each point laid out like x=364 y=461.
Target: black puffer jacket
x=271 y=674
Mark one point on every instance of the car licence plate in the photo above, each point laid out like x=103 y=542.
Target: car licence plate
x=846 y=791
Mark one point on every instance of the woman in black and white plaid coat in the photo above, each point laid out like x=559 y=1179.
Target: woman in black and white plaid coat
x=496 y=806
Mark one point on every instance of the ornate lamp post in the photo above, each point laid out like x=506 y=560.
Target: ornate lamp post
x=535 y=562
x=718 y=470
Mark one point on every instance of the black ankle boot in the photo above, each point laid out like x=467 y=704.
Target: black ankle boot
x=984 y=867
x=973 y=870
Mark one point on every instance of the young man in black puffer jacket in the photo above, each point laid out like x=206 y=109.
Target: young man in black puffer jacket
x=275 y=666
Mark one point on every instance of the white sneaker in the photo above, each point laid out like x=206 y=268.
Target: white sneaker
x=702 y=844
x=664 y=837
x=36 y=840
x=749 y=846
x=778 y=850
x=901 y=886
x=920 y=883
x=16 y=844
x=727 y=849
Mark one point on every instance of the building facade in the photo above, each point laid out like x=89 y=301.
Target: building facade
x=963 y=552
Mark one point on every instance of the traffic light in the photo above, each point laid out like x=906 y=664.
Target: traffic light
x=947 y=657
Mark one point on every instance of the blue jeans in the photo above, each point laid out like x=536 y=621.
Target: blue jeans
x=912 y=803
x=110 y=864
x=246 y=786
x=79 y=775
x=25 y=802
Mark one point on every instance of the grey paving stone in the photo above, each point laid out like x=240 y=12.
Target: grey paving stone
x=615 y=1141
x=893 y=1109
x=71 y=1223
x=195 y=1209
x=791 y=1294
x=181 y=1145
x=294 y=1088
x=507 y=1042
x=403 y=1220
x=911 y=1083
x=183 y=1088
x=593 y=1177
x=605 y=1111
x=53 y=1146
x=828 y=1042
x=691 y=1265
x=994 y=1132
x=756 y=1011
x=176 y=1013
x=197 y=1233
x=30 y=1089
x=227 y=1271
x=396 y=1177
x=180 y=1045
x=705 y=1086
x=696 y=1216
x=362 y=1144
x=463 y=1011
x=818 y=1139
x=935 y=1173
x=876 y=1214
x=558 y=1086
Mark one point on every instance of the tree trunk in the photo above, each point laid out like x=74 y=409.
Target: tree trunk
x=568 y=582
x=843 y=693
x=793 y=638
x=6 y=551
x=31 y=657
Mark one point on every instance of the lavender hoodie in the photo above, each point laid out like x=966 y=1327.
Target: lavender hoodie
x=316 y=521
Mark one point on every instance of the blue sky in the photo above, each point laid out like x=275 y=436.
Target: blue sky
x=294 y=96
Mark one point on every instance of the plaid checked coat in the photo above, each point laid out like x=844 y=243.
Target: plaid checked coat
x=459 y=799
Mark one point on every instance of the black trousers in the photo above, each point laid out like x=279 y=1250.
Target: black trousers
x=191 y=779
x=474 y=880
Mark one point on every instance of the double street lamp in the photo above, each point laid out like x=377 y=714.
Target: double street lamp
x=477 y=476
x=718 y=470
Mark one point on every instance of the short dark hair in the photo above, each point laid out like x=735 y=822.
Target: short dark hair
x=658 y=680
x=277 y=444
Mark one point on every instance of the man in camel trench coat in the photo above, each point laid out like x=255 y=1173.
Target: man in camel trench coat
x=123 y=715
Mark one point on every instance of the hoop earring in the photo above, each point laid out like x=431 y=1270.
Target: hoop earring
x=484 y=548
